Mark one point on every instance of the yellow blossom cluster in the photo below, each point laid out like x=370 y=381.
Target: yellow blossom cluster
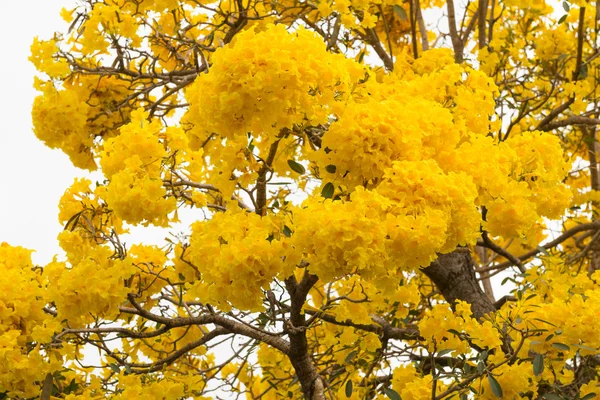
x=265 y=82
x=239 y=261
x=133 y=163
x=77 y=298
x=43 y=57
x=519 y=180
x=416 y=212
x=443 y=329
x=24 y=325
x=381 y=124
x=73 y=117
x=104 y=20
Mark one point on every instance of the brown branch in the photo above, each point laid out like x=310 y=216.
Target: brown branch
x=171 y=358
x=261 y=181
x=457 y=42
x=487 y=242
x=553 y=243
x=580 y=40
x=47 y=387
x=570 y=121
x=413 y=28
x=554 y=113
x=232 y=326
x=422 y=27
x=370 y=36
x=481 y=25
x=308 y=376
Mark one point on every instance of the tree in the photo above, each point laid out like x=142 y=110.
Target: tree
x=355 y=177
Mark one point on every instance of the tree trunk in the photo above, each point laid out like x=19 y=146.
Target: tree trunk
x=454 y=276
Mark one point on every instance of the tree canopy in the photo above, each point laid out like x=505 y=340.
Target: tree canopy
x=359 y=177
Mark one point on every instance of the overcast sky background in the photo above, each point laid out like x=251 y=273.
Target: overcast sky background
x=33 y=176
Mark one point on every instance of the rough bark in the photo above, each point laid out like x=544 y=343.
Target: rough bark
x=308 y=376
x=454 y=276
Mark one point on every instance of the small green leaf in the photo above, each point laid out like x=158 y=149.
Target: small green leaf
x=583 y=72
x=287 y=231
x=349 y=389
x=392 y=394
x=115 y=368
x=328 y=190
x=444 y=352
x=562 y=19
x=589 y=396
x=401 y=12
x=297 y=167
x=480 y=367
x=580 y=346
x=495 y=386
x=566 y=6
x=538 y=364
x=351 y=356
x=551 y=396
x=331 y=168
x=561 y=346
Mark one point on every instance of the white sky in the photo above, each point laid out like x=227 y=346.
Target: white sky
x=33 y=176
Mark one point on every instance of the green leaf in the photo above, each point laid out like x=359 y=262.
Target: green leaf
x=328 y=190
x=580 y=346
x=480 y=367
x=392 y=394
x=287 y=231
x=583 y=72
x=495 y=386
x=589 y=396
x=566 y=6
x=561 y=346
x=115 y=368
x=562 y=19
x=297 y=167
x=538 y=364
x=351 y=356
x=331 y=168
x=349 y=388
x=444 y=352
x=551 y=396
x=400 y=12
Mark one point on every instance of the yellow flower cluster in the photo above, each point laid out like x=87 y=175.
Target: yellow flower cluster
x=267 y=81
x=132 y=161
x=410 y=385
x=432 y=211
x=77 y=298
x=238 y=255
x=107 y=20
x=519 y=180
x=340 y=238
x=72 y=118
x=43 y=57
x=24 y=326
x=514 y=379
x=421 y=111
x=435 y=326
x=369 y=136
